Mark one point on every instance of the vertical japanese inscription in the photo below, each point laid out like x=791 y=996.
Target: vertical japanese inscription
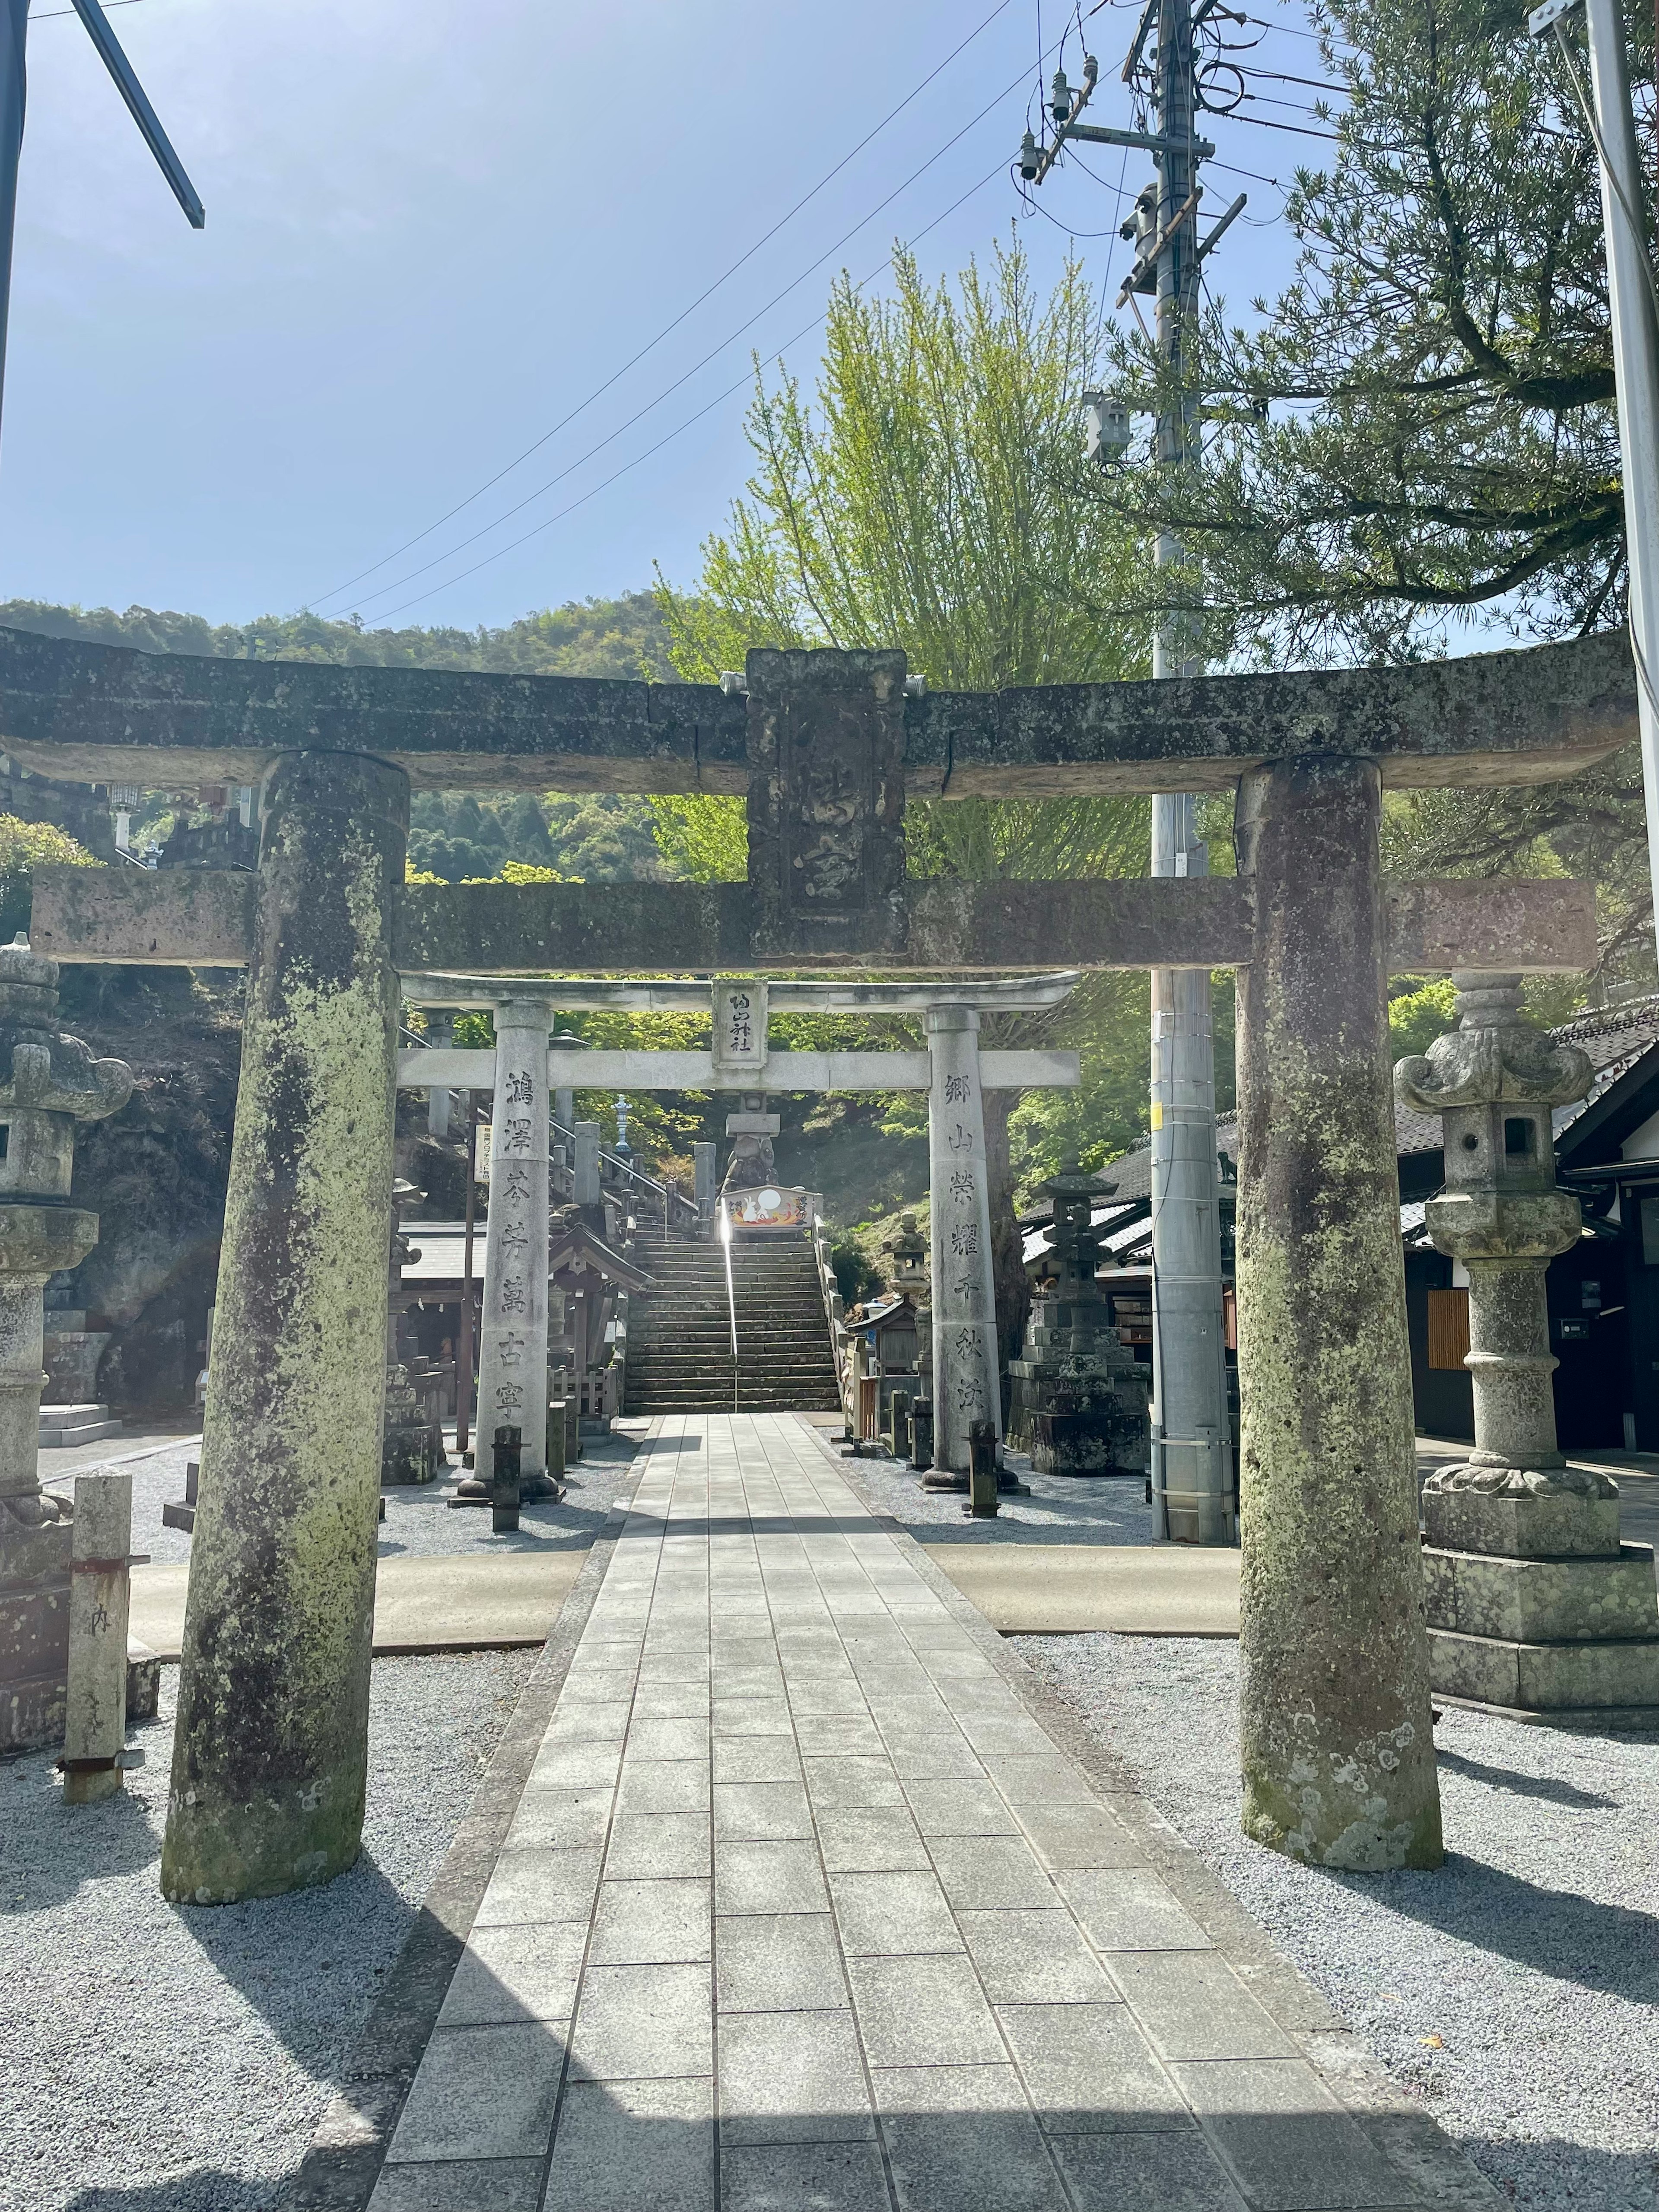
x=826 y=802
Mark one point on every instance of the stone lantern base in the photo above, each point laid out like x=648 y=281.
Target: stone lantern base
x=1080 y=1411
x=1534 y=1605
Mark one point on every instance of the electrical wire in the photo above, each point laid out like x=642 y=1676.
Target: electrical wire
x=708 y=293
x=409 y=576
x=805 y=330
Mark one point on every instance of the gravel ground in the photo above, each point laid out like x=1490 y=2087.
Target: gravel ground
x=418 y=1521
x=1060 y=1510
x=1532 y=1956
x=163 y=2060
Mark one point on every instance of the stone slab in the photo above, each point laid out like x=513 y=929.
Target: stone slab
x=1544 y=1677
x=1543 y=1601
x=451 y=1603
x=1551 y=1528
x=1072 y=1589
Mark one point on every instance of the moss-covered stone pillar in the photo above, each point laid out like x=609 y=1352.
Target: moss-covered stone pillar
x=271 y=1748
x=1338 y=1757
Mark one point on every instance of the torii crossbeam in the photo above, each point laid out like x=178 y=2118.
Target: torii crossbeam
x=270 y=1761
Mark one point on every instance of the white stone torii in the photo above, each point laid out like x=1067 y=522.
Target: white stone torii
x=524 y=1068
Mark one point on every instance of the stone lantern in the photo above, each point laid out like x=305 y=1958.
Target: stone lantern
x=1079 y=1396
x=1534 y=1604
x=48 y=1081
x=910 y=1273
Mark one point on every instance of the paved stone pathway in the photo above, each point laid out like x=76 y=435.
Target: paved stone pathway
x=803 y=1912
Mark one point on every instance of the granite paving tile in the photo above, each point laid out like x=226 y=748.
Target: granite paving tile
x=822 y=2176
x=634 y=2023
x=1122 y=1910
x=1036 y=1958
x=983 y=1873
x=963 y=2139
x=482 y=2093
x=664 y=1785
x=540 y=1885
x=1086 y=2068
x=1288 y=2140
x=792 y=2077
x=923 y=2011
x=768 y=1877
x=651 y=1922
x=516 y=1971
x=634 y=2146
x=892 y=1915
x=870 y=1840
x=494 y=2184
x=645 y=1846
x=778 y=1962
x=1193 y=2005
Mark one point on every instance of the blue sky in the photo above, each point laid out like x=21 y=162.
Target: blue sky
x=435 y=226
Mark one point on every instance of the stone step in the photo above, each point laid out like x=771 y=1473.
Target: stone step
x=64 y=1426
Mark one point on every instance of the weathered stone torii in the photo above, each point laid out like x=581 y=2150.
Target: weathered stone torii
x=524 y=1066
x=270 y=1763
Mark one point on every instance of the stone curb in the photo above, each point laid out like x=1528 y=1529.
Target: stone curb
x=1413 y=2143
x=342 y=2161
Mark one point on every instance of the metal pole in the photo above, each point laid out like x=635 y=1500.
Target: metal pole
x=14 y=32
x=1191 y=1445
x=464 y=1337
x=1630 y=302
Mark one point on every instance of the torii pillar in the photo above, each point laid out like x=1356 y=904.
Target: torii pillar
x=270 y=1754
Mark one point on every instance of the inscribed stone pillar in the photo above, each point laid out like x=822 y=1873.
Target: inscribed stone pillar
x=1338 y=1759
x=702 y=1170
x=587 y=1163
x=440 y=1034
x=513 y=1342
x=95 y=1716
x=966 y=1388
x=270 y=1752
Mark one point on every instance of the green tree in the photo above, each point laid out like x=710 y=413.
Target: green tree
x=924 y=497
x=24 y=847
x=1416 y=446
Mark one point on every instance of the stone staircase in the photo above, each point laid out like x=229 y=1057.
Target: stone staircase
x=679 y=1333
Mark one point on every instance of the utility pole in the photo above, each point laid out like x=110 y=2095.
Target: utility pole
x=1632 y=312
x=14 y=33
x=1193 y=1488
x=1192 y=1448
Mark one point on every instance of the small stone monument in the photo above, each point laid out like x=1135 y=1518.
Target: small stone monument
x=1534 y=1604
x=407 y=1449
x=48 y=1081
x=1079 y=1396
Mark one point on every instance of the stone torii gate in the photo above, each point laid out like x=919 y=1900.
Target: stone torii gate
x=525 y=1069
x=270 y=1752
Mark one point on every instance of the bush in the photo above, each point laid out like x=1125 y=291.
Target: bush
x=24 y=847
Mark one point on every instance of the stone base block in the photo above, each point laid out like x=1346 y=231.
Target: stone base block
x=1512 y=1526
x=64 y=1426
x=1544 y=1678
x=1528 y=1600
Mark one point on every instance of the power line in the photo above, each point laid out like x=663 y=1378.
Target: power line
x=714 y=352
x=667 y=438
x=708 y=293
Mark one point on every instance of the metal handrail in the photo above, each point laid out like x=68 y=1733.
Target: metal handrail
x=636 y=1175
x=731 y=1296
